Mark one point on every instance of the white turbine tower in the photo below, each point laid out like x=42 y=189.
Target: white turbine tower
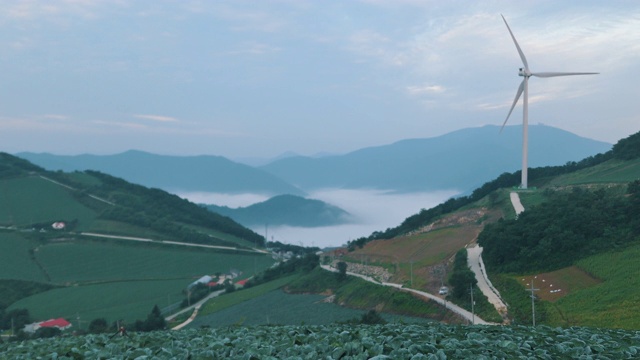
x=524 y=87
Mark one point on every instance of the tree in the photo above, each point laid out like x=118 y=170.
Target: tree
x=99 y=325
x=371 y=317
x=342 y=270
x=154 y=321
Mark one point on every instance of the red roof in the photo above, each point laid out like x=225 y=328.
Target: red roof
x=59 y=323
x=212 y=284
x=242 y=282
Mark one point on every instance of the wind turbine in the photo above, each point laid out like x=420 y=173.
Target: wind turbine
x=524 y=88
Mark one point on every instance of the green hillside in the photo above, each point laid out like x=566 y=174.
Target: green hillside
x=123 y=248
x=580 y=234
x=91 y=201
x=289 y=210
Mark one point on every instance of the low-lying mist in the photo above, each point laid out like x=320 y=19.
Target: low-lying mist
x=373 y=210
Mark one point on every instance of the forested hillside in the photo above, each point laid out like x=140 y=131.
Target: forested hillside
x=286 y=210
x=569 y=226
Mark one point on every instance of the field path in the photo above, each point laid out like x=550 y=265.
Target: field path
x=448 y=305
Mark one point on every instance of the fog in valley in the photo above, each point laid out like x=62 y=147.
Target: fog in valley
x=373 y=210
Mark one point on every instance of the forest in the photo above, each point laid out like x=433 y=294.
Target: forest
x=568 y=227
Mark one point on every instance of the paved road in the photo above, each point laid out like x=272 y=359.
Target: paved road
x=474 y=258
x=448 y=305
x=515 y=201
x=196 y=308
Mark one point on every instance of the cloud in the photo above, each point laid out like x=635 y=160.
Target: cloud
x=425 y=89
x=158 y=118
x=120 y=124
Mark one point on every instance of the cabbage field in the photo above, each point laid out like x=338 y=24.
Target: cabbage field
x=391 y=341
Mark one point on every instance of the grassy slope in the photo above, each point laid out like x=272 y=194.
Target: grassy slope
x=359 y=294
x=612 y=171
x=31 y=200
x=615 y=302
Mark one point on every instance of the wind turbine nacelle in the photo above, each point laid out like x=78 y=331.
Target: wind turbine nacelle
x=522 y=72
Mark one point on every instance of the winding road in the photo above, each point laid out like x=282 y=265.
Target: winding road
x=474 y=259
x=196 y=308
x=474 y=319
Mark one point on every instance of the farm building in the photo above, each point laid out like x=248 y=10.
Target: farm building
x=59 y=323
x=203 y=280
x=59 y=225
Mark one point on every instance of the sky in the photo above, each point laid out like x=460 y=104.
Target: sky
x=259 y=78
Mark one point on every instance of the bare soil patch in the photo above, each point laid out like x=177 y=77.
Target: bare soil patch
x=560 y=283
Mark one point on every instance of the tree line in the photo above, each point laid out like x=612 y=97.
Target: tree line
x=570 y=226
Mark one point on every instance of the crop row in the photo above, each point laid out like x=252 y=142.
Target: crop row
x=397 y=341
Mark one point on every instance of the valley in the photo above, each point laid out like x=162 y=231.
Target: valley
x=112 y=259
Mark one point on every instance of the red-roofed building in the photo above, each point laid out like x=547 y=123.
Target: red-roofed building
x=242 y=282
x=60 y=323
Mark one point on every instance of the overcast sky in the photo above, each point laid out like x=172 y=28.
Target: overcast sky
x=258 y=78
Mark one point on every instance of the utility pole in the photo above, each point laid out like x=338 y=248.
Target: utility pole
x=411 y=272
x=473 y=315
x=533 y=305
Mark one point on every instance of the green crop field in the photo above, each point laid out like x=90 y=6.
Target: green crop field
x=111 y=227
x=228 y=300
x=612 y=171
x=127 y=301
x=77 y=261
x=15 y=259
x=278 y=307
x=31 y=200
x=341 y=341
x=112 y=279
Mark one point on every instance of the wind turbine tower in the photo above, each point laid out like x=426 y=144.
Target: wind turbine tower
x=524 y=88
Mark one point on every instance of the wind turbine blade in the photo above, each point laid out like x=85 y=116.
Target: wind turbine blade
x=515 y=101
x=553 y=74
x=524 y=59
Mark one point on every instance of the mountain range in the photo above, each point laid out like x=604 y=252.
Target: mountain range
x=204 y=173
x=461 y=160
